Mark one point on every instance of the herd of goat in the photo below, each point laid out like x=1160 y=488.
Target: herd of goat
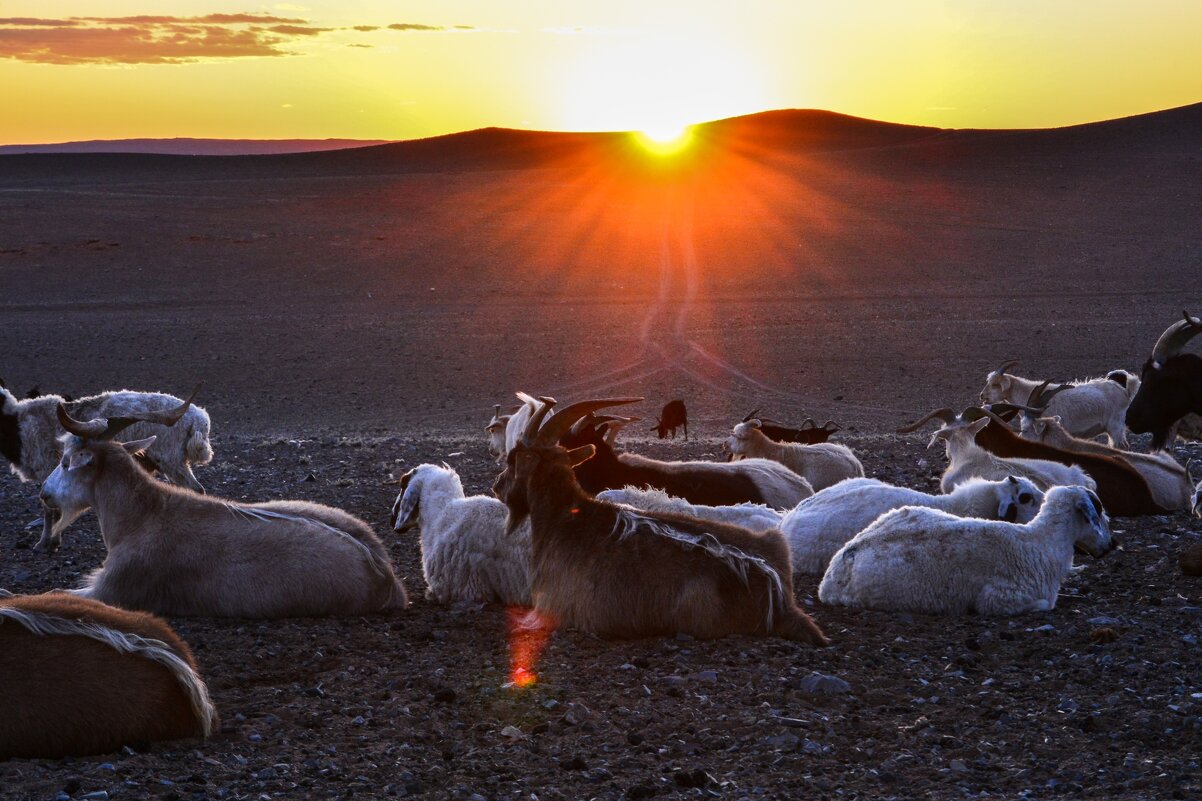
x=610 y=543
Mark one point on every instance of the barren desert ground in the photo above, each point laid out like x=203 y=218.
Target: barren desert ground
x=354 y=314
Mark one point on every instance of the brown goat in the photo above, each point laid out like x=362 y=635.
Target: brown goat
x=1122 y=490
x=617 y=573
x=80 y=677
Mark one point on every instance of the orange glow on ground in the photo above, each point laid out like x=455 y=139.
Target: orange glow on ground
x=529 y=633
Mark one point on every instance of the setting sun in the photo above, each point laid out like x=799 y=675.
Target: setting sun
x=665 y=140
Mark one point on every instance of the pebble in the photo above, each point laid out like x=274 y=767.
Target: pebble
x=1103 y=620
x=706 y=676
x=822 y=684
x=513 y=733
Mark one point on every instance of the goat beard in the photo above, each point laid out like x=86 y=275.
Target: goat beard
x=519 y=510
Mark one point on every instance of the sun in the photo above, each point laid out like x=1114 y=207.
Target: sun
x=665 y=139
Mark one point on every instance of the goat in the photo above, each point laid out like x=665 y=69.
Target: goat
x=173 y=552
x=751 y=516
x=496 y=433
x=466 y=554
x=617 y=573
x=84 y=678
x=1196 y=500
x=823 y=465
x=1171 y=385
x=808 y=433
x=673 y=416
x=926 y=560
x=967 y=459
x=1089 y=408
x=1167 y=480
x=1123 y=491
x=29 y=432
x=821 y=525
x=707 y=483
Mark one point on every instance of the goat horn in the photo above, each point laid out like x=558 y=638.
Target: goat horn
x=536 y=419
x=1006 y=365
x=1042 y=396
x=944 y=414
x=1175 y=336
x=990 y=414
x=561 y=422
x=751 y=414
x=831 y=426
x=107 y=428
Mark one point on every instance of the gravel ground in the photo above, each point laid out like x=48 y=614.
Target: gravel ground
x=416 y=705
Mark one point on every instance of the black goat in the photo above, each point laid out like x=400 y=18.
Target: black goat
x=1171 y=383
x=673 y=416
x=809 y=433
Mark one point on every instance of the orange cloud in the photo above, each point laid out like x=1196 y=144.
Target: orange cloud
x=150 y=39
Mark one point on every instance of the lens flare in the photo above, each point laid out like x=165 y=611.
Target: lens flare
x=529 y=632
x=665 y=140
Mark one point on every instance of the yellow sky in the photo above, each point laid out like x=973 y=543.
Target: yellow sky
x=212 y=68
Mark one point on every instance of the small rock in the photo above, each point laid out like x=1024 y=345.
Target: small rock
x=1103 y=620
x=692 y=778
x=575 y=763
x=576 y=714
x=958 y=766
x=513 y=733
x=634 y=738
x=784 y=742
x=310 y=477
x=822 y=684
x=552 y=704
x=640 y=791
x=444 y=695
x=96 y=795
x=706 y=676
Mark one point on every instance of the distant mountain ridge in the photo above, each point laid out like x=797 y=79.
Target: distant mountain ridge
x=188 y=146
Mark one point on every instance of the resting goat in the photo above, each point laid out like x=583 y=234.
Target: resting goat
x=821 y=525
x=614 y=572
x=174 y=552
x=823 y=465
x=925 y=560
x=1089 y=408
x=708 y=483
x=1171 y=385
x=751 y=516
x=967 y=460
x=809 y=433
x=1123 y=491
x=496 y=433
x=29 y=432
x=1167 y=479
x=466 y=553
x=81 y=678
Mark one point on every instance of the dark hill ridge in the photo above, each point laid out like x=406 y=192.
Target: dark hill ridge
x=187 y=146
x=1173 y=132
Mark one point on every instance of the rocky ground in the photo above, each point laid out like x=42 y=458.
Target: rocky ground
x=1101 y=697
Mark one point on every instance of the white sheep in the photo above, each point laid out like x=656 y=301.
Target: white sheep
x=967 y=460
x=466 y=554
x=819 y=526
x=752 y=516
x=1089 y=408
x=823 y=464
x=29 y=432
x=926 y=560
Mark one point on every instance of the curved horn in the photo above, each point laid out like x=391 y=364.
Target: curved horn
x=751 y=414
x=102 y=429
x=561 y=422
x=944 y=414
x=1006 y=365
x=536 y=419
x=990 y=414
x=1175 y=336
x=1041 y=396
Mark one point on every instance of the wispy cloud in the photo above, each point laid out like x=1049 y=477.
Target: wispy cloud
x=150 y=39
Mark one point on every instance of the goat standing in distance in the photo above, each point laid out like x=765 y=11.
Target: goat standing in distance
x=29 y=432
x=708 y=483
x=1171 y=384
x=1123 y=491
x=81 y=678
x=1089 y=408
x=673 y=416
x=618 y=573
x=173 y=552
x=925 y=560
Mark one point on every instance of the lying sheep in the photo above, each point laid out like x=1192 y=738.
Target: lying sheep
x=823 y=464
x=466 y=554
x=819 y=526
x=926 y=560
x=752 y=516
x=29 y=432
x=967 y=459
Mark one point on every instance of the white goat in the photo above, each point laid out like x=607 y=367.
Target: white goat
x=29 y=432
x=968 y=460
x=466 y=554
x=823 y=464
x=173 y=552
x=1089 y=408
x=926 y=560
x=1167 y=479
x=496 y=433
x=821 y=525
x=751 y=516
x=516 y=424
x=1196 y=501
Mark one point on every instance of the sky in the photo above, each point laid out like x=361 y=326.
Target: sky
x=370 y=69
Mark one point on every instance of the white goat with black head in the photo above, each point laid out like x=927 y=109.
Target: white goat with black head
x=925 y=560
x=466 y=553
x=30 y=431
x=819 y=526
x=822 y=464
x=173 y=552
x=1088 y=408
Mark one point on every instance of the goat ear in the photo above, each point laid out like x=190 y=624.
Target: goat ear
x=582 y=454
x=976 y=425
x=136 y=445
x=938 y=435
x=1003 y=382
